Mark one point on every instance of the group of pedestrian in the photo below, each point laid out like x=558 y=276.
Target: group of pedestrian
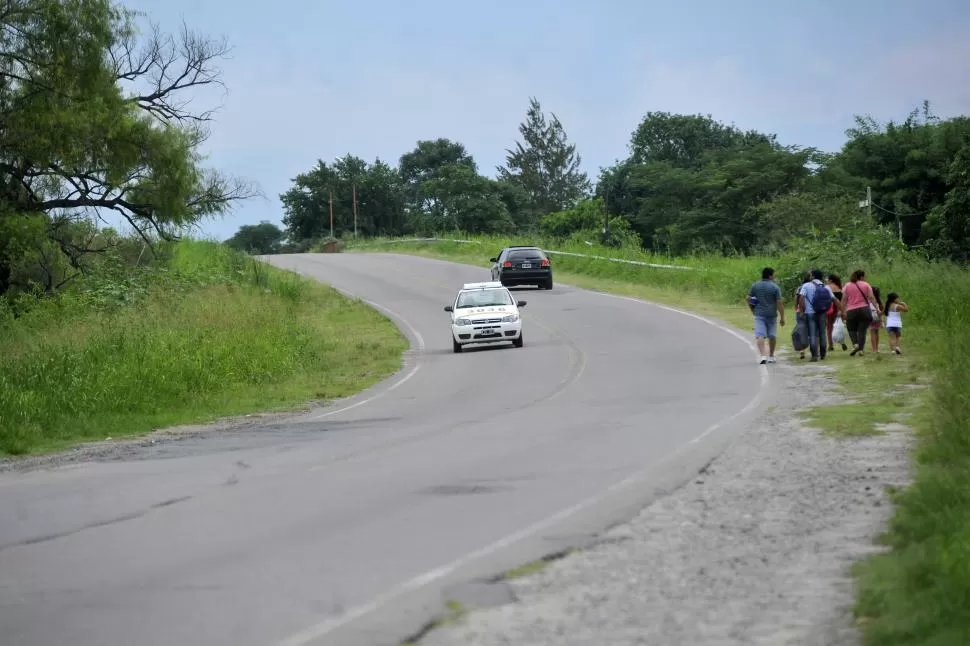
x=823 y=306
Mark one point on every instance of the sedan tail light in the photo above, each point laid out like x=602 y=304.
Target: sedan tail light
x=544 y=263
x=507 y=264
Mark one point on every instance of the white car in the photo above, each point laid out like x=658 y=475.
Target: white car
x=485 y=313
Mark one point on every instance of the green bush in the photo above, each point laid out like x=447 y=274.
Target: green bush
x=209 y=332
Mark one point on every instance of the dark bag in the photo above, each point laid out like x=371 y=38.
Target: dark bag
x=799 y=334
x=822 y=299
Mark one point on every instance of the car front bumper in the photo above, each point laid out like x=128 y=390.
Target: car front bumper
x=496 y=332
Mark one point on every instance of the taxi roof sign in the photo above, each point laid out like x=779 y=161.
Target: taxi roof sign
x=486 y=285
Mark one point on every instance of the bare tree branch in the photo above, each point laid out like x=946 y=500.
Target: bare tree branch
x=167 y=67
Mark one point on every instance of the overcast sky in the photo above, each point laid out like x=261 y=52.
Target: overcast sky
x=315 y=80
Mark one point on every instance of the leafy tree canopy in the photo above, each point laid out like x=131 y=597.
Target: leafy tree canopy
x=93 y=117
x=332 y=188
x=545 y=164
x=259 y=239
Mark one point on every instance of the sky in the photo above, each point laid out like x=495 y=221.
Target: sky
x=317 y=80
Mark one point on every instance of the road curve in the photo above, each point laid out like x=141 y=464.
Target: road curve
x=348 y=525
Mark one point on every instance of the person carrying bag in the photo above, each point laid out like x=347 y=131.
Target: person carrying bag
x=860 y=305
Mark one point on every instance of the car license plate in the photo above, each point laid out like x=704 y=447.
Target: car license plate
x=527 y=265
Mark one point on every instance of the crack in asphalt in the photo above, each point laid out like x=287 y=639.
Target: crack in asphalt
x=45 y=538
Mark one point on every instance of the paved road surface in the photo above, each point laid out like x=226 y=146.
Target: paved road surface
x=347 y=526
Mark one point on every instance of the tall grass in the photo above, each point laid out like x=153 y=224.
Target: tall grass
x=211 y=333
x=917 y=592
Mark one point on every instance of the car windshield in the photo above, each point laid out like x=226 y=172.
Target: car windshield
x=483 y=298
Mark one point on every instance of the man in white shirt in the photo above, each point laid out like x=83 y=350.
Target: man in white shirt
x=815 y=298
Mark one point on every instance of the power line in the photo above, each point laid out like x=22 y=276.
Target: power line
x=904 y=215
x=868 y=203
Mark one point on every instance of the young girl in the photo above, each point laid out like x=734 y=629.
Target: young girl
x=894 y=320
x=876 y=322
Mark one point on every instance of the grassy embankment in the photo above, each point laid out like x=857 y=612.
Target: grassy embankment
x=918 y=591
x=203 y=333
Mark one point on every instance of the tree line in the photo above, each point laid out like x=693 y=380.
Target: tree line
x=689 y=184
x=438 y=186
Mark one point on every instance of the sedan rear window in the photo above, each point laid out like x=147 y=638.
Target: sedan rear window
x=525 y=254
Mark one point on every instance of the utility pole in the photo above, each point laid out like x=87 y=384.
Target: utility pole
x=331 y=214
x=355 y=208
x=606 y=216
x=867 y=203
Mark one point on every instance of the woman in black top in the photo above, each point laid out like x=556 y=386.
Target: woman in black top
x=835 y=284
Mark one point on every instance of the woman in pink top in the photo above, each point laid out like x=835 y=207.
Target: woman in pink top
x=860 y=309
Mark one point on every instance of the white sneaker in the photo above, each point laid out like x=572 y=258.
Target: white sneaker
x=763 y=361
x=771 y=359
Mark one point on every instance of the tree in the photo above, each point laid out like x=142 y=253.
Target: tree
x=465 y=200
x=584 y=223
x=733 y=184
x=91 y=120
x=259 y=239
x=516 y=200
x=615 y=189
x=683 y=140
x=947 y=229
x=425 y=163
x=429 y=156
x=804 y=215
x=444 y=190
x=306 y=213
x=380 y=201
x=906 y=164
x=693 y=184
x=546 y=165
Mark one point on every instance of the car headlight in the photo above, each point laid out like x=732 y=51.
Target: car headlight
x=511 y=318
x=463 y=322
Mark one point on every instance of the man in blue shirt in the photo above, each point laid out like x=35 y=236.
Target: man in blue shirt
x=815 y=298
x=767 y=305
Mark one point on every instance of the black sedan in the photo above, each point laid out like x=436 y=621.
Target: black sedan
x=522 y=266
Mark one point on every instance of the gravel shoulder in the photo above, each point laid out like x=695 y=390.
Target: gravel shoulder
x=756 y=550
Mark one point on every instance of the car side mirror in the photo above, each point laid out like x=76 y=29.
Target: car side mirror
x=520 y=304
x=493 y=259
x=449 y=308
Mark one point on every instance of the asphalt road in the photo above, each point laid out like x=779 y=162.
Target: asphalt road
x=350 y=525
